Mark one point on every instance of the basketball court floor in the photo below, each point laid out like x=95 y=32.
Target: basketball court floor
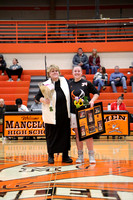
x=26 y=175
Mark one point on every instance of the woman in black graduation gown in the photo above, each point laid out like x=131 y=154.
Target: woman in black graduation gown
x=57 y=122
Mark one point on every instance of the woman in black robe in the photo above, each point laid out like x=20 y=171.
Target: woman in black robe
x=57 y=122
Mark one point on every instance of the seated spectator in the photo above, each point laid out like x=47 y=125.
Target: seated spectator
x=131 y=82
x=118 y=105
x=2 y=110
x=36 y=106
x=21 y=107
x=2 y=64
x=14 y=69
x=117 y=79
x=82 y=60
x=100 y=78
x=83 y=77
x=94 y=62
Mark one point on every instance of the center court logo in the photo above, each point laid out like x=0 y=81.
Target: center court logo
x=106 y=180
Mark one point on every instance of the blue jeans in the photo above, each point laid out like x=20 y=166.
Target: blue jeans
x=117 y=83
x=94 y=69
x=87 y=67
x=100 y=83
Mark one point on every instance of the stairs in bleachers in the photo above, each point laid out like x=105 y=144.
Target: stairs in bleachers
x=35 y=80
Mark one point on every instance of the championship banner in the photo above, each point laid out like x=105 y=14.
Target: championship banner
x=116 y=123
x=23 y=124
x=90 y=121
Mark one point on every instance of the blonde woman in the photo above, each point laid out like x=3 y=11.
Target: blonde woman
x=80 y=88
x=57 y=122
x=94 y=62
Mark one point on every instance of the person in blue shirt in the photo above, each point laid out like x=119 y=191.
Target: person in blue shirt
x=116 y=79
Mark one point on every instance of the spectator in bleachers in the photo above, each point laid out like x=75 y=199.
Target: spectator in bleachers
x=14 y=69
x=94 y=61
x=21 y=107
x=131 y=82
x=101 y=78
x=117 y=79
x=2 y=110
x=36 y=106
x=118 y=105
x=81 y=59
x=2 y=64
x=83 y=77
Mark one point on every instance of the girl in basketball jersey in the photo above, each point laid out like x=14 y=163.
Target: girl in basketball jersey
x=80 y=88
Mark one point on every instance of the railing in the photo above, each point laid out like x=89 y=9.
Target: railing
x=66 y=31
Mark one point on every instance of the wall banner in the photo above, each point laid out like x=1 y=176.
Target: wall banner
x=23 y=124
x=116 y=123
x=91 y=121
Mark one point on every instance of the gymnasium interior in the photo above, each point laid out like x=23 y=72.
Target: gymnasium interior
x=39 y=34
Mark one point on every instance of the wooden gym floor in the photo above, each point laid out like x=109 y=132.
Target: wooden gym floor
x=26 y=175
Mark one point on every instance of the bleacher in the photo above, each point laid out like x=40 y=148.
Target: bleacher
x=114 y=42
x=107 y=96
x=10 y=91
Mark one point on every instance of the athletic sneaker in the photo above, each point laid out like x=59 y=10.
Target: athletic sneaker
x=91 y=157
x=80 y=157
x=104 y=88
x=10 y=80
x=4 y=138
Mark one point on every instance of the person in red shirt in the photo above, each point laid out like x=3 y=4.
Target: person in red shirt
x=118 y=105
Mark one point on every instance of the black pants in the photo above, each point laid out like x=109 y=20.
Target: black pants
x=2 y=69
x=131 y=80
x=14 y=72
x=64 y=155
